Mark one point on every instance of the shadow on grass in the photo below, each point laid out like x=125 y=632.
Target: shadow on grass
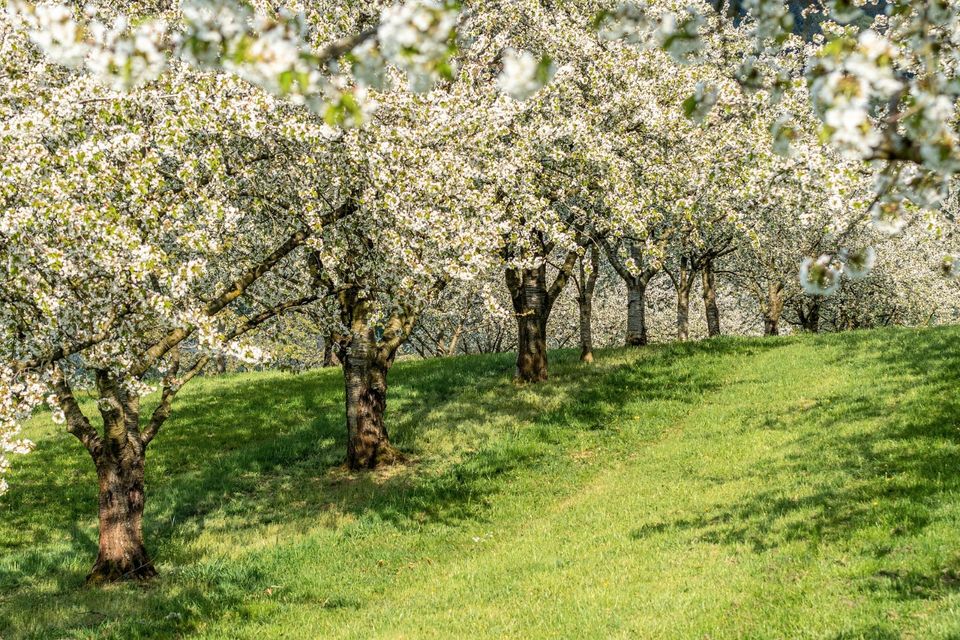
x=245 y=453
x=893 y=466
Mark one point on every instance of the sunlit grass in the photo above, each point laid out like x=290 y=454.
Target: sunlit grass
x=801 y=487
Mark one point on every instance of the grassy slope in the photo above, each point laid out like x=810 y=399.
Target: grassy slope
x=804 y=487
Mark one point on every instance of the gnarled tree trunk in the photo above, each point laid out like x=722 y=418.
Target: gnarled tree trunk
x=120 y=462
x=712 y=311
x=368 y=353
x=121 y=554
x=365 y=371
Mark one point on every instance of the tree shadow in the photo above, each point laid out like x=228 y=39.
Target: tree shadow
x=894 y=465
x=240 y=454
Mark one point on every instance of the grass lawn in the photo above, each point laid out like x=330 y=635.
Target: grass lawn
x=802 y=487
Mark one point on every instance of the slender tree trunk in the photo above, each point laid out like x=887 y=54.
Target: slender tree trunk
x=330 y=358
x=365 y=376
x=683 y=314
x=454 y=340
x=636 y=312
x=586 y=331
x=683 y=285
x=771 y=319
x=585 y=290
x=221 y=364
x=712 y=311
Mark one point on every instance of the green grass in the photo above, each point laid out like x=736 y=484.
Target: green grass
x=803 y=487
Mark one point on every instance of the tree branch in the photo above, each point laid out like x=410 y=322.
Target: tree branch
x=77 y=422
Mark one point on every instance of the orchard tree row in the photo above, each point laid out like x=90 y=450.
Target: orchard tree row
x=188 y=184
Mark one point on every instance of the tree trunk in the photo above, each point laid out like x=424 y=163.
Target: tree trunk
x=531 y=348
x=810 y=317
x=771 y=318
x=120 y=473
x=683 y=285
x=454 y=340
x=365 y=375
x=636 y=313
x=710 y=300
x=585 y=289
x=330 y=358
x=586 y=331
x=532 y=303
x=683 y=314
x=122 y=555
x=528 y=291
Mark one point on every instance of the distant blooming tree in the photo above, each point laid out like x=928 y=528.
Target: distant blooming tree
x=883 y=84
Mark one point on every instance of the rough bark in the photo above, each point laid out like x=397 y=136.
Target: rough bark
x=365 y=376
x=367 y=354
x=122 y=554
x=120 y=466
x=774 y=309
x=531 y=348
x=712 y=311
x=636 y=313
x=532 y=303
x=683 y=284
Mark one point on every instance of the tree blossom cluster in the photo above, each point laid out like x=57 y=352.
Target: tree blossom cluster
x=884 y=88
x=529 y=174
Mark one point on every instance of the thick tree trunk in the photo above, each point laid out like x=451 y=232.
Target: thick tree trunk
x=532 y=302
x=365 y=376
x=531 y=348
x=120 y=473
x=774 y=309
x=528 y=291
x=122 y=555
x=712 y=311
x=636 y=313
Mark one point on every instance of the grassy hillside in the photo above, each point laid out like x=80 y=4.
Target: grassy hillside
x=788 y=488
